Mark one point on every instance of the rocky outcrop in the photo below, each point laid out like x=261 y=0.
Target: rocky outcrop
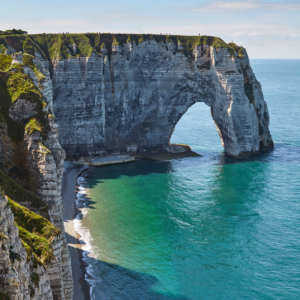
x=130 y=100
x=39 y=158
x=17 y=58
x=21 y=110
x=124 y=94
x=20 y=276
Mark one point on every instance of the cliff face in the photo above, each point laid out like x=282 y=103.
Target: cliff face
x=125 y=93
x=130 y=100
x=35 y=262
x=110 y=94
x=21 y=275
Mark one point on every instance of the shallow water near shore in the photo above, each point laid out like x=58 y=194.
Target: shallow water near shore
x=205 y=227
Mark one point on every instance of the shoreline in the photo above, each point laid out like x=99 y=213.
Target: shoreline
x=71 y=212
x=69 y=190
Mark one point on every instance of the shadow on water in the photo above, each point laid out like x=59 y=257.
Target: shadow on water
x=115 y=282
x=137 y=168
x=143 y=168
x=83 y=202
x=282 y=153
x=233 y=208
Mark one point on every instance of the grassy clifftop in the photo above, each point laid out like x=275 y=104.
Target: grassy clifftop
x=61 y=46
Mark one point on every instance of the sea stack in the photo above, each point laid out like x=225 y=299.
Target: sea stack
x=128 y=98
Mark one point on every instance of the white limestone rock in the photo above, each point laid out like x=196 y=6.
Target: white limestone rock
x=131 y=101
x=17 y=58
x=22 y=109
x=44 y=160
x=15 y=269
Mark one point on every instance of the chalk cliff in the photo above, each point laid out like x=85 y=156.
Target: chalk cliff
x=35 y=262
x=125 y=93
x=130 y=100
x=92 y=95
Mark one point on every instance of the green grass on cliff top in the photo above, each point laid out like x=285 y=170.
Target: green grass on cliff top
x=58 y=46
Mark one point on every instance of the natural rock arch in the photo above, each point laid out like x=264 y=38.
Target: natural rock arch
x=131 y=100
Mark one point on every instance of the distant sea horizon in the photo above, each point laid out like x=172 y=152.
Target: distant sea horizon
x=207 y=227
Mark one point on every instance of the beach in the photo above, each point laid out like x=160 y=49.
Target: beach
x=69 y=189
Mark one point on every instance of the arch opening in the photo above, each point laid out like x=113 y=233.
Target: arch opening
x=197 y=129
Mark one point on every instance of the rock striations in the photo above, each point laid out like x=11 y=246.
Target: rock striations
x=130 y=101
x=21 y=278
x=35 y=264
x=92 y=95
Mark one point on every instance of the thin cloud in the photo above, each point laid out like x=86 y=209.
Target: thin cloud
x=222 y=6
x=260 y=40
x=225 y=29
x=69 y=25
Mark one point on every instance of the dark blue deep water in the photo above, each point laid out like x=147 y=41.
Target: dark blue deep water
x=207 y=227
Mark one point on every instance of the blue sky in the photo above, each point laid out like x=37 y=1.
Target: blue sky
x=267 y=28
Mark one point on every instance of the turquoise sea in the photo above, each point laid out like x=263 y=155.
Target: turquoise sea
x=207 y=227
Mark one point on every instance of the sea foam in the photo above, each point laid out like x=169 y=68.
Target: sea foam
x=85 y=240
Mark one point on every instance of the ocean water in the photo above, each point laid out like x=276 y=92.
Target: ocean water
x=207 y=227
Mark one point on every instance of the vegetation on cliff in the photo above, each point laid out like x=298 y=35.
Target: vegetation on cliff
x=13 y=31
x=5 y=62
x=28 y=61
x=23 y=112
x=16 y=84
x=33 y=125
x=40 y=246
x=61 y=46
x=36 y=232
x=32 y=222
x=20 y=85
